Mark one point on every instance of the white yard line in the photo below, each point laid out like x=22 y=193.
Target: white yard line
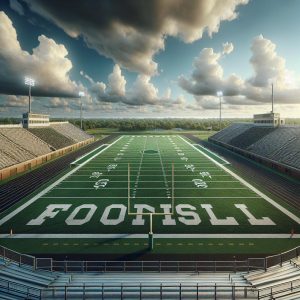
x=148 y=188
x=247 y=184
x=220 y=157
x=146 y=236
x=150 y=197
x=81 y=157
x=50 y=187
x=149 y=181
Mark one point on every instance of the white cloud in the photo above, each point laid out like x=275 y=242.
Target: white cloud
x=48 y=64
x=132 y=32
x=208 y=77
x=116 y=83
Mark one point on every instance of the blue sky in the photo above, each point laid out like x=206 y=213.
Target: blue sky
x=138 y=88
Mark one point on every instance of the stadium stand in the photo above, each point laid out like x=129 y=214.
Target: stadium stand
x=70 y=131
x=13 y=150
x=26 y=140
x=250 y=136
x=52 y=137
x=277 y=144
x=227 y=134
x=277 y=281
x=34 y=280
x=40 y=284
x=6 y=160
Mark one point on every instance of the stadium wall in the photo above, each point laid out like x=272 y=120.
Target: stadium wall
x=260 y=159
x=29 y=164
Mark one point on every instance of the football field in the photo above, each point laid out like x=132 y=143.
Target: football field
x=109 y=201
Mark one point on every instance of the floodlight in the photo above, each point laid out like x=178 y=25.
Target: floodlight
x=29 y=81
x=219 y=93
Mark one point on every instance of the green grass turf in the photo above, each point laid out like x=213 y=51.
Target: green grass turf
x=150 y=158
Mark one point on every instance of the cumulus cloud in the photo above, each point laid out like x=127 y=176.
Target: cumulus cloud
x=131 y=32
x=142 y=92
x=116 y=83
x=48 y=65
x=13 y=101
x=207 y=76
x=268 y=67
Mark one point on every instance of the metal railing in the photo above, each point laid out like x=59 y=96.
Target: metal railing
x=19 y=289
x=150 y=266
x=155 y=291
x=288 y=287
x=50 y=264
x=19 y=258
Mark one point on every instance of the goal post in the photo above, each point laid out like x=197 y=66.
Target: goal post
x=151 y=214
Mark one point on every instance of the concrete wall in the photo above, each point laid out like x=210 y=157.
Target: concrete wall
x=29 y=164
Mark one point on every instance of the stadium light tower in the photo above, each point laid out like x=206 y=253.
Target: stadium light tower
x=272 y=98
x=81 y=94
x=30 y=82
x=220 y=95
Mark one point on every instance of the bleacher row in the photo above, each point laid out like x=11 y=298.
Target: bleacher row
x=280 y=144
x=18 y=144
x=23 y=282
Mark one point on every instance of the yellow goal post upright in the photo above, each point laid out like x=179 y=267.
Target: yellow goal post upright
x=150 y=214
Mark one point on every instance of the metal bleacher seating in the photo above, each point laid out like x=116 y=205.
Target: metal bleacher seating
x=22 y=282
x=26 y=140
x=250 y=136
x=278 y=282
x=71 y=131
x=227 y=134
x=13 y=151
x=6 y=160
x=52 y=137
x=273 y=277
x=280 y=144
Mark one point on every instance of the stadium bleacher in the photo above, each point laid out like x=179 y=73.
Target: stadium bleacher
x=14 y=151
x=279 y=144
x=228 y=133
x=250 y=136
x=52 y=137
x=71 y=131
x=6 y=160
x=41 y=284
x=20 y=281
x=18 y=144
x=26 y=140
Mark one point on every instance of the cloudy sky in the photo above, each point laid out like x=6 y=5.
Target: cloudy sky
x=150 y=58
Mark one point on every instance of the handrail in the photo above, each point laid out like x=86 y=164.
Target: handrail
x=159 y=290
x=11 y=285
x=196 y=266
x=288 y=286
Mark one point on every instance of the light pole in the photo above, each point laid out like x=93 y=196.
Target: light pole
x=30 y=82
x=81 y=94
x=220 y=95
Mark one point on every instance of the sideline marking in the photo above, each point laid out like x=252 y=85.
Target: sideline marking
x=215 y=154
x=83 y=156
x=156 y=235
x=51 y=186
x=247 y=184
